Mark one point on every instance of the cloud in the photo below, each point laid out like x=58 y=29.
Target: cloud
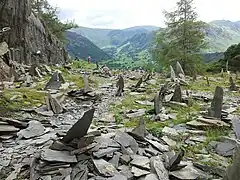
x=127 y=13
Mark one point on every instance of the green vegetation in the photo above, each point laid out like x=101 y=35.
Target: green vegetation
x=49 y=15
x=183 y=39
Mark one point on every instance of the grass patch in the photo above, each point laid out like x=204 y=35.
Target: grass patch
x=22 y=98
x=81 y=64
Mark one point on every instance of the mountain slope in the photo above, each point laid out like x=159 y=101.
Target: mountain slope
x=105 y=38
x=81 y=47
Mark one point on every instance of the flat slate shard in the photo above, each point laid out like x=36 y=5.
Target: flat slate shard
x=5 y=129
x=151 y=177
x=80 y=171
x=216 y=106
x=55 y=81
x=139 y=172
x=58 y=156
x=225 y=149
x=177 y=96
x=120 y=86
x=158 y=167
x=160 y=147
x=34 y=129
x=103 y=152
x=173 y=75
x=80 y=128
x=236 y=126
x=104 y=168
x=139 y=83
x=233 y=172
x=142 y=162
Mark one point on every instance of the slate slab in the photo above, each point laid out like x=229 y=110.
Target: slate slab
x=103 y=152
x=225 y=148
x=141 y=162
x=105 y=168
x=138 y=172
x=58 y=156
x=80 y=128
x=158 y=167
x=159 y=146
x=236 y=126
x=34 y=129
x=216 y=106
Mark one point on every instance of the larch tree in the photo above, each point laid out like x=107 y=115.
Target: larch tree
x=183 y=37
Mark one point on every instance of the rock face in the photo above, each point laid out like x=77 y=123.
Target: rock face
x=28 y=35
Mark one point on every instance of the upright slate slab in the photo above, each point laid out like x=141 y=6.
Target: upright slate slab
x=80 y=128
x=120 y=86
x=157 y=104
x=55 y=81
x=139 y=83
x=173 y=75
x=233 y=86
x=180 y=71
x=216 y=106
x=86 y=84
x=177 y=96
x=236 y=125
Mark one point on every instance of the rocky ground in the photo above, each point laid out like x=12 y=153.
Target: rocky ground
x=71 y=125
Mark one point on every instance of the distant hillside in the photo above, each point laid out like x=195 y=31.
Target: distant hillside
x=105 y=38
x=81 y=47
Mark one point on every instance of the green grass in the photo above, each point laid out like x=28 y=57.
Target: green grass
x=81 y=64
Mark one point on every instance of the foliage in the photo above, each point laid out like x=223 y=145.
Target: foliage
x=49 y=15
x=183 y=39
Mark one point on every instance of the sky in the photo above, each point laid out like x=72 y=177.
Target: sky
x=119 y=14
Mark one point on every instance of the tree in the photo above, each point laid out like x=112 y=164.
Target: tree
x=49 y=15
x=183 y=38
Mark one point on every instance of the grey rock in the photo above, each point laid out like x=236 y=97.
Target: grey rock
x=120 y=86
x=103 y=152
x=58 y=156
x=124 y=170
x=233 y=172
x=177 y=96
x=55 y=82
x=233 y=86
x=139 y=83
x=139 y=172
x=216 y=106
x=115 y=160
x=171 y=132
x=225 y=148
x=175 y=160
x=140 y=131
x=104 y=168
x=80 y=128
x=34 y=129
x=151 y=177
x=137 y=113
x=141 y=162
x=173 y=75
x=80 y=171
x=159 y=146
x=126 y=140
x=236 y=126
x=86 y=84
x=147 y=103
x=54 y=104
x=5 y=129
x=169 y=141
x=179 y=70
x=118 y=177
x=125 y=159
x=157 y=104
x=158 y=167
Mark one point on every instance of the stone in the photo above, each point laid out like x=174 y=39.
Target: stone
x=3 y=48
x=169 y=141
x=147 y=103
x=58 y=156
x=216 y=106
x=34 y=129
x=158 y=167
x=103 y=152
x=140 y=131
x=5 y=129
x=115 y=160
x=214 y=122
x=233 y=86
x=157 y=104
x=175 y=160
x=139 y=172
x=171 y=132
x=236 y=126
x=55 y=81
x=198 y=124
x=151 y=177
x=80 y=128
x=104 y=168
x=54 y=104
x=159 y=146
x=225 y=148
x=177 y=96
x=126 y=140
x=124 y=170
x=118 y=177
x=173 y=75
x=233 y=172
x=179 y=70
x=188 y=173
x=137 y=113
x=86 y=84
x=139 y=83
x=125 y=159
x=141 y=162
x=168 y=97
x=120 y=86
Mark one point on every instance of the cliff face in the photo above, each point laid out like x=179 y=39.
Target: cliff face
x=28 y=35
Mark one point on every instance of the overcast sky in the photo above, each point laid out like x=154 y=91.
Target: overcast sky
x=127 y=13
